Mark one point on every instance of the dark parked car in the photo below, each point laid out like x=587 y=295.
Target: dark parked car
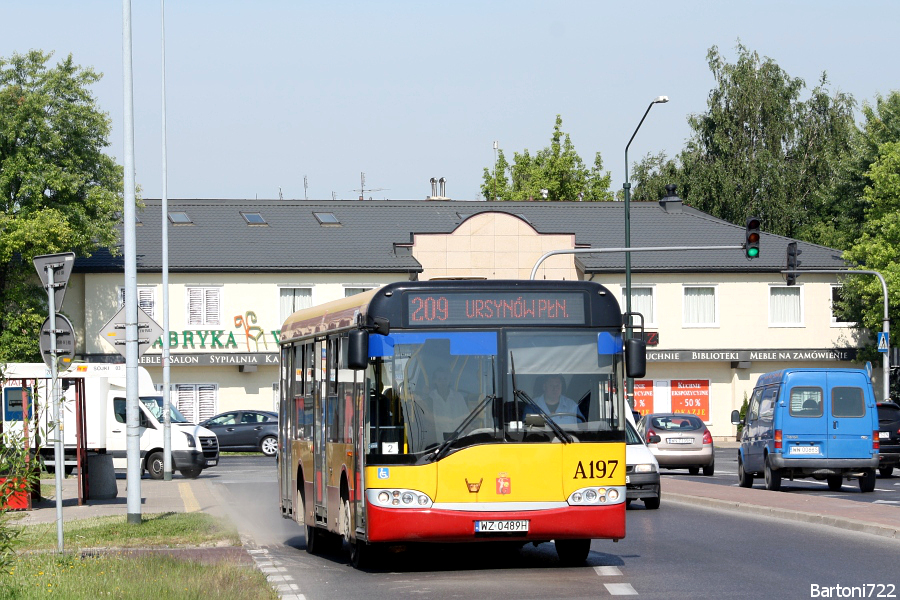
x=245 y=430
x=888 y=437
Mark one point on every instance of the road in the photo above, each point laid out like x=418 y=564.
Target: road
x=677 y=551
x=887 y=489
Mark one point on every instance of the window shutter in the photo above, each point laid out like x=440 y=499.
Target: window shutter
x=206 y=394
x=146 y=301
x=211 y=312
x=185 y=401
x=195 y=306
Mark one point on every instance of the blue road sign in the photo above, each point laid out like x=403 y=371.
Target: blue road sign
x=883 y=341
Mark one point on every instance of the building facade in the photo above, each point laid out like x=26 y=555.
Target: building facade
x=714 y=319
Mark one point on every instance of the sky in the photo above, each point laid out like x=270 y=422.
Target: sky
x=262 y=96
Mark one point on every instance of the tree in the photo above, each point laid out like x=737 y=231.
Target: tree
x=878 y=247
x=59 y=192
x=758 y=150
x=558 y=169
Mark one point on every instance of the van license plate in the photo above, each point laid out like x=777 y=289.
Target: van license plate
x=680 y=440
x=212 y=463
x=500 y=526
x=884 y=435
x=804 y=450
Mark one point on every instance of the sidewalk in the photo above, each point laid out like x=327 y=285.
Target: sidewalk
x=177 y=495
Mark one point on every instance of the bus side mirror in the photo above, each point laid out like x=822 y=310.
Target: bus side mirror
x=635 y=357
x=358 y=349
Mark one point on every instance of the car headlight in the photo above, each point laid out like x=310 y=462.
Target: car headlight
x=648 y=468
x=190 y=440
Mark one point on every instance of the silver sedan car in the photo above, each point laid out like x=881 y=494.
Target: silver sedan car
x=679 y=441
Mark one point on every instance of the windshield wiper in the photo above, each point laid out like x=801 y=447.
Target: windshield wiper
x=517 y=393
x=442 y=449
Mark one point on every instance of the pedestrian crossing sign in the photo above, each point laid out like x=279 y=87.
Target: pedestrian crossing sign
x=883 y=341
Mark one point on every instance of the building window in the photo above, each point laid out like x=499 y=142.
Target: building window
x=701 y=308
x=837 y=320
x=327 y=218
x=204 y=306
x=196 y=401
x=785 y=306
x=292 y=300
x=253 y=218
x=179 y=218
x=642 y=301
x=352 y=291
x=146 y=299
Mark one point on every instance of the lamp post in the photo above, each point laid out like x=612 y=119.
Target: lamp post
x=629 y=385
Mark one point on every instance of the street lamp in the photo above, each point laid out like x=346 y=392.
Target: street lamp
x=629 y=386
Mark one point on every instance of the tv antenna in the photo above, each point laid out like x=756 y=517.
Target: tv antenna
x=362 y=187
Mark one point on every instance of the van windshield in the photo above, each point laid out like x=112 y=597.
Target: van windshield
x=155 y=405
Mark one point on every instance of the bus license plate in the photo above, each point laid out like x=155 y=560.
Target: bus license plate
x=804 y=450
x=501 y=526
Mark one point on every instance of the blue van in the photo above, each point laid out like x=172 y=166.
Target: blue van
x=819 y=423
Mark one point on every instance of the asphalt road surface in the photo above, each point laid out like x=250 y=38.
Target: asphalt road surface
x=675 y=552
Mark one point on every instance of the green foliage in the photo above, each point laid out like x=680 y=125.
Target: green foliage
x=59 y=192
x=557 y=168
x=743 y=413
x=758 y=149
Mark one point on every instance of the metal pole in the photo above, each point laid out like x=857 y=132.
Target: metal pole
x=58 y=451
x=629 y=383
x=132 y=410
x=886 y=323
x=627 y=251
x=167 y=416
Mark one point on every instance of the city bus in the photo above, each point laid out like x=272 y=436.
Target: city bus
x=457 y=411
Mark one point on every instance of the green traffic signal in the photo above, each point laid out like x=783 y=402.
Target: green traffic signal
x=751 y=243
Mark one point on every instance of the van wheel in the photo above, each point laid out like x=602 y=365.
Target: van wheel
x=886 y=471
x=867 y=482
x=745 y=479
x=190 y=473
x=835 y=482
x=156 y=466
x=773 y=477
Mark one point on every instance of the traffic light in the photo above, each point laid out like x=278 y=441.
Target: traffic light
x=792 y=263
x=751 y=244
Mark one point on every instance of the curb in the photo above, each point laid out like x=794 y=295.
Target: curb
x=788 y=515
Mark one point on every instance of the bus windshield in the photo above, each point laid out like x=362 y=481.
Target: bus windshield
x=435 y=392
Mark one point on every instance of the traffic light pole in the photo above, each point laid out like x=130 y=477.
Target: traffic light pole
x=628 y=250
x=886 y=326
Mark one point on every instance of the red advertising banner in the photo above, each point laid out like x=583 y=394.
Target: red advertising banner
x=643 y=396
x=691 y=396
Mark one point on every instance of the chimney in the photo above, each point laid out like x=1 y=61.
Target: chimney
x=433 y=187
x=443 y=181
x=671 y=203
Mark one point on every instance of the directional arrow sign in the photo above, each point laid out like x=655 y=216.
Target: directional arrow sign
x=65 y=343
x=62 y=267
x=148 y=331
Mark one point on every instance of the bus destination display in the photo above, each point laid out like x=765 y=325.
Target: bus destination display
x=499 y=308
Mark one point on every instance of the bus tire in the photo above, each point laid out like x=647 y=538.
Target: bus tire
x=362 y=555
x=313 y=539
x=572 y=553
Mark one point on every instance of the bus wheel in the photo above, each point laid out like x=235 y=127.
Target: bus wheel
x=313 y=539
x=362 y=555
x=345 y=520
x=572 y=553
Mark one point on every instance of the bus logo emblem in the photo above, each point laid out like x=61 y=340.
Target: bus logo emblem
x=384 y=473
x=474 y=487
x=504 y=485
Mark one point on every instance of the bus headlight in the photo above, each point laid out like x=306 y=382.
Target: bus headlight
x=596 y=496
x=398 y=498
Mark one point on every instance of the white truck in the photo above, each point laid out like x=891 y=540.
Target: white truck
x=194 y=448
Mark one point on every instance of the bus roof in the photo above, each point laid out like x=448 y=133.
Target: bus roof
x=330 y=316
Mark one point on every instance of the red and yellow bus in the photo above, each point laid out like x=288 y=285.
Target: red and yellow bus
x=457 y=411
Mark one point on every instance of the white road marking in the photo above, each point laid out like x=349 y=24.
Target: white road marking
x=608 y=571
x=620 y=589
